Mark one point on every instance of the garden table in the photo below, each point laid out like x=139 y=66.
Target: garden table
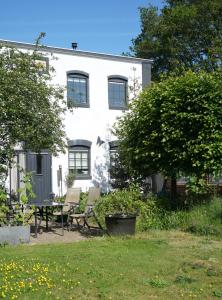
x=46 y=204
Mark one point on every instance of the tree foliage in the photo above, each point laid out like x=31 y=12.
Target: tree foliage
x=175 y=126
x=31 y=108
x=186 y=34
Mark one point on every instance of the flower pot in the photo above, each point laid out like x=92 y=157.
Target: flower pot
x=120 y=224
x=15 y=234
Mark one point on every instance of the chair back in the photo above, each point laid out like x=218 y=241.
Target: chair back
x=72 y=195
x=93 y=195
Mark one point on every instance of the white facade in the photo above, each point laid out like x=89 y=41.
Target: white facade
x=95 y=121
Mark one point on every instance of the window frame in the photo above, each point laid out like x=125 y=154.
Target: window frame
x=118 y=79
x=80 y=146
x=80 y=75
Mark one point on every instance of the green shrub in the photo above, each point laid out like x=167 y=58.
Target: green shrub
x=119 y=202
x=203 y=219
x=82 y=202
x=69 y=179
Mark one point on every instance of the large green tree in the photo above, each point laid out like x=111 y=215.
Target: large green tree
x=185 y=34
x=31 y=108
x=175 y=126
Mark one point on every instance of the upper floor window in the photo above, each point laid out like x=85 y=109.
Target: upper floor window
x=77 y=88
x=117 y=92
x=79 y=158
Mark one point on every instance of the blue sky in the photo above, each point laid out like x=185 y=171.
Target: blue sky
x=97 y=25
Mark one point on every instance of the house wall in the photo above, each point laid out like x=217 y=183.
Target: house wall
x=95 y=121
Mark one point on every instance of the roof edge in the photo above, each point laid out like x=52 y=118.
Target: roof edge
x=76 y=52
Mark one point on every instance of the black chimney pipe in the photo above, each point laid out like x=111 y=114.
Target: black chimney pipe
x=74 y=45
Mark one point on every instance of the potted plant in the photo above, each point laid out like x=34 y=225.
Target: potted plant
x=118 y=210
x=14 y=227
x=69 y=180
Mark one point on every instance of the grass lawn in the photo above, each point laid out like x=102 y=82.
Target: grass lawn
x=155 y=265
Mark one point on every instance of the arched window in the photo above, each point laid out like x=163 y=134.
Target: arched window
x=78 y=88
x=79 y=158
x=117 y=92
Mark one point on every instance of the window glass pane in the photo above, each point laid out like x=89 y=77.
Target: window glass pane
x=84 y=163
x=84 y=155
x=71 y=163
x=71 y=155
x=117 y=93
x=79 y=161
x=39 y=164
x=113 y=156
x=77 y=89
x=77 y=155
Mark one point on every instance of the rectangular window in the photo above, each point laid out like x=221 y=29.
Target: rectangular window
x=79 y=162
x=117 y=93
x=77 y=89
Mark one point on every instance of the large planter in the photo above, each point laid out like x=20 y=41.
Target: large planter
x=15 y=234
x=120 y=224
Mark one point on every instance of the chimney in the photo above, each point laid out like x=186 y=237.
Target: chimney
x=74 y=45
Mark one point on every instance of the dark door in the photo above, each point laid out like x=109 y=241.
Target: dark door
x=40 y=166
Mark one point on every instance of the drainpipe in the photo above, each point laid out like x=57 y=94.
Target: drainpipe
x=60 y=172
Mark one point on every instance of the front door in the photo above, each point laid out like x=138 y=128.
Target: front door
x=40 y=166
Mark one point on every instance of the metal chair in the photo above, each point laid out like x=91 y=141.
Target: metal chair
x=72 y=201
x=93 y=195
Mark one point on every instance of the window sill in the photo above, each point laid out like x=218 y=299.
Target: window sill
x=83 y=106
x=118 y=108
x=87 y=177
x=71 y=104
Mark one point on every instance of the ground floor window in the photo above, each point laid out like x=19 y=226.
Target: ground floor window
x=79 y=161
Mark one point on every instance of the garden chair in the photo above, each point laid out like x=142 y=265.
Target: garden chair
x=72 y=201
x=93 y=195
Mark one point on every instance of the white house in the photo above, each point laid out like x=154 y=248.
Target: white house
x=98 y=84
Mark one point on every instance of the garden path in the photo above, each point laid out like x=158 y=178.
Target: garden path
x=55 y=236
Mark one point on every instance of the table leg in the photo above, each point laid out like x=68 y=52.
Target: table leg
x=47 y=218
x=36 y=225
x=62 y=220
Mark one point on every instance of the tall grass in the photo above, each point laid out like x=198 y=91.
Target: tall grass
x=204 y=219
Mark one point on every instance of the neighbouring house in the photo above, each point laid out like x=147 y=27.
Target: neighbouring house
x=99 y=85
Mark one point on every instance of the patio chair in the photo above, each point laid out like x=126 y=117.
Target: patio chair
x=93 y=195
x=72 y=201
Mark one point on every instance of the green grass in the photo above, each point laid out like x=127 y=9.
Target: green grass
x=155 y=265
